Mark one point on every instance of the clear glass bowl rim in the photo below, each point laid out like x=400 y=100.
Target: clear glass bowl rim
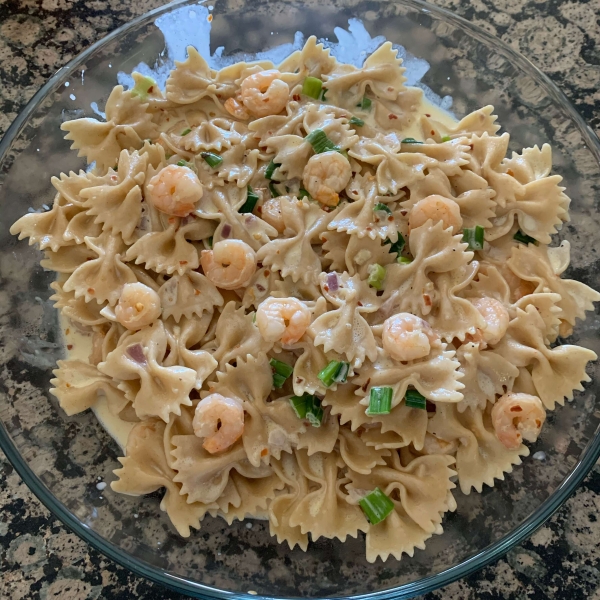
x=585 y=463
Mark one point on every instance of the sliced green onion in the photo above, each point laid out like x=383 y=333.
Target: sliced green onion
x=308 y=407
x=414 y=399
x=182 y=163
x=185 y=132
x=271 y=167
x=318 y=139
x=213 y=160
x=278 y=380
x=380 y=401
x=524 y=238
x=474 y=237
x=446 y=138
x=397 y=246
x=336 y=371
x=365 y=103
x=376 y=506
x=143 y=87
x=312 y=87
x=302 y=193
x=376 y=276
x=281 y=368
x=210 y=241
x=356 y=122
x=323 y=92
x=274 y=191
x=251 y=200
x=403 y=260
x=410 y=141
x=380 y=206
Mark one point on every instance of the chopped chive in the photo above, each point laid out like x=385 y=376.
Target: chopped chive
x=143 y=87
x=318 y=139
x=365 y=103
x=278 y=380
x=182 y=163
x=413 y=399
x=410 y=141
x=474 y=237
x=356 y=122
x=251 y=200
x=376 y=276
x=446 y=138
x=213 y=160
x=524 y=238
x=312 y=87
x=274 y=192
x=376 y=506
x=281 y=368
x=308 y=407
x=396 y=246
x=302 y=193
x=185 y=132
x=336 y=371
x=380 y=401
x=403 y=260
x=270 y=170
x=382 y=207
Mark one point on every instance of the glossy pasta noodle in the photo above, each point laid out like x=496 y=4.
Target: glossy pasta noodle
x=313 y=301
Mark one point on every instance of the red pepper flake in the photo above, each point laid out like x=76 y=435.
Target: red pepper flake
x=69 y=346
x=427 y=115
x=209 y=18
x=325 y=287
x=510 y=172
x=427 y=300
x=296 y=97
x=183 y=262
x=355 y=192
x=267 y=272
x=259 y=209
x=264 y=452
x=390 y=218
x=432 y=132
x=392 y=117
x=67 y=384
x=197 y=292
x=359 y=303
x=150 y=89
x=91 y=291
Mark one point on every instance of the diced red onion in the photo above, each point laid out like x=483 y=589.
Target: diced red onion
x=136 y=353
x=226 y=231
x=332 y=282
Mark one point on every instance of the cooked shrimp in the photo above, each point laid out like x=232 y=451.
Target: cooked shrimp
x=436 y=445
x=271 y=213
x=138 y=306
x=325 y=175
x=264 y=93
x=437 y=208
x=516 y=417
x=282 y=319
x=235 y=108
x=230 y=264
x=220 y=421
x=174 y=190
x=495 y=316
x=407 y=337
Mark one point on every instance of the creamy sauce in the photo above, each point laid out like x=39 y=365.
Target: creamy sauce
x=79 y=345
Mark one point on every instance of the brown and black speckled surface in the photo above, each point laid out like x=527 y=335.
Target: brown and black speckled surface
x=39 y=558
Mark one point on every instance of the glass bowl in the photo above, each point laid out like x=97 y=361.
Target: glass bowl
x=62 y=458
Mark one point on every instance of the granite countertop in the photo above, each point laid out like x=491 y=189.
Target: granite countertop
x=40 y=558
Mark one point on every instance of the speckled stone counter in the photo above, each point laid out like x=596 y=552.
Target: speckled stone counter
x=39 y=558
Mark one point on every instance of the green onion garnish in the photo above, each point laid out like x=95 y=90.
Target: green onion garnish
x=302 y=193
x=380 y=401
x=474 y=237
x=410 y=141
x=308 y=407
x=365 y=103
x=376 y=506
x=213 y=160
x=185 y=132
x=382 y=207
x=271 y=169
x=281 y=372
x=446 y=138
x=251 y=200
x=274 y=191
x=323 y=92
x=182 y=163
x=210 y=241
x=403 y=260
x=336 y=371
x=396 y=246
x=524 y=238
x=414 y=399
x=318 y=139
x=356 y=122
x=312 y=87
x=376 y=276
x=143 y=87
